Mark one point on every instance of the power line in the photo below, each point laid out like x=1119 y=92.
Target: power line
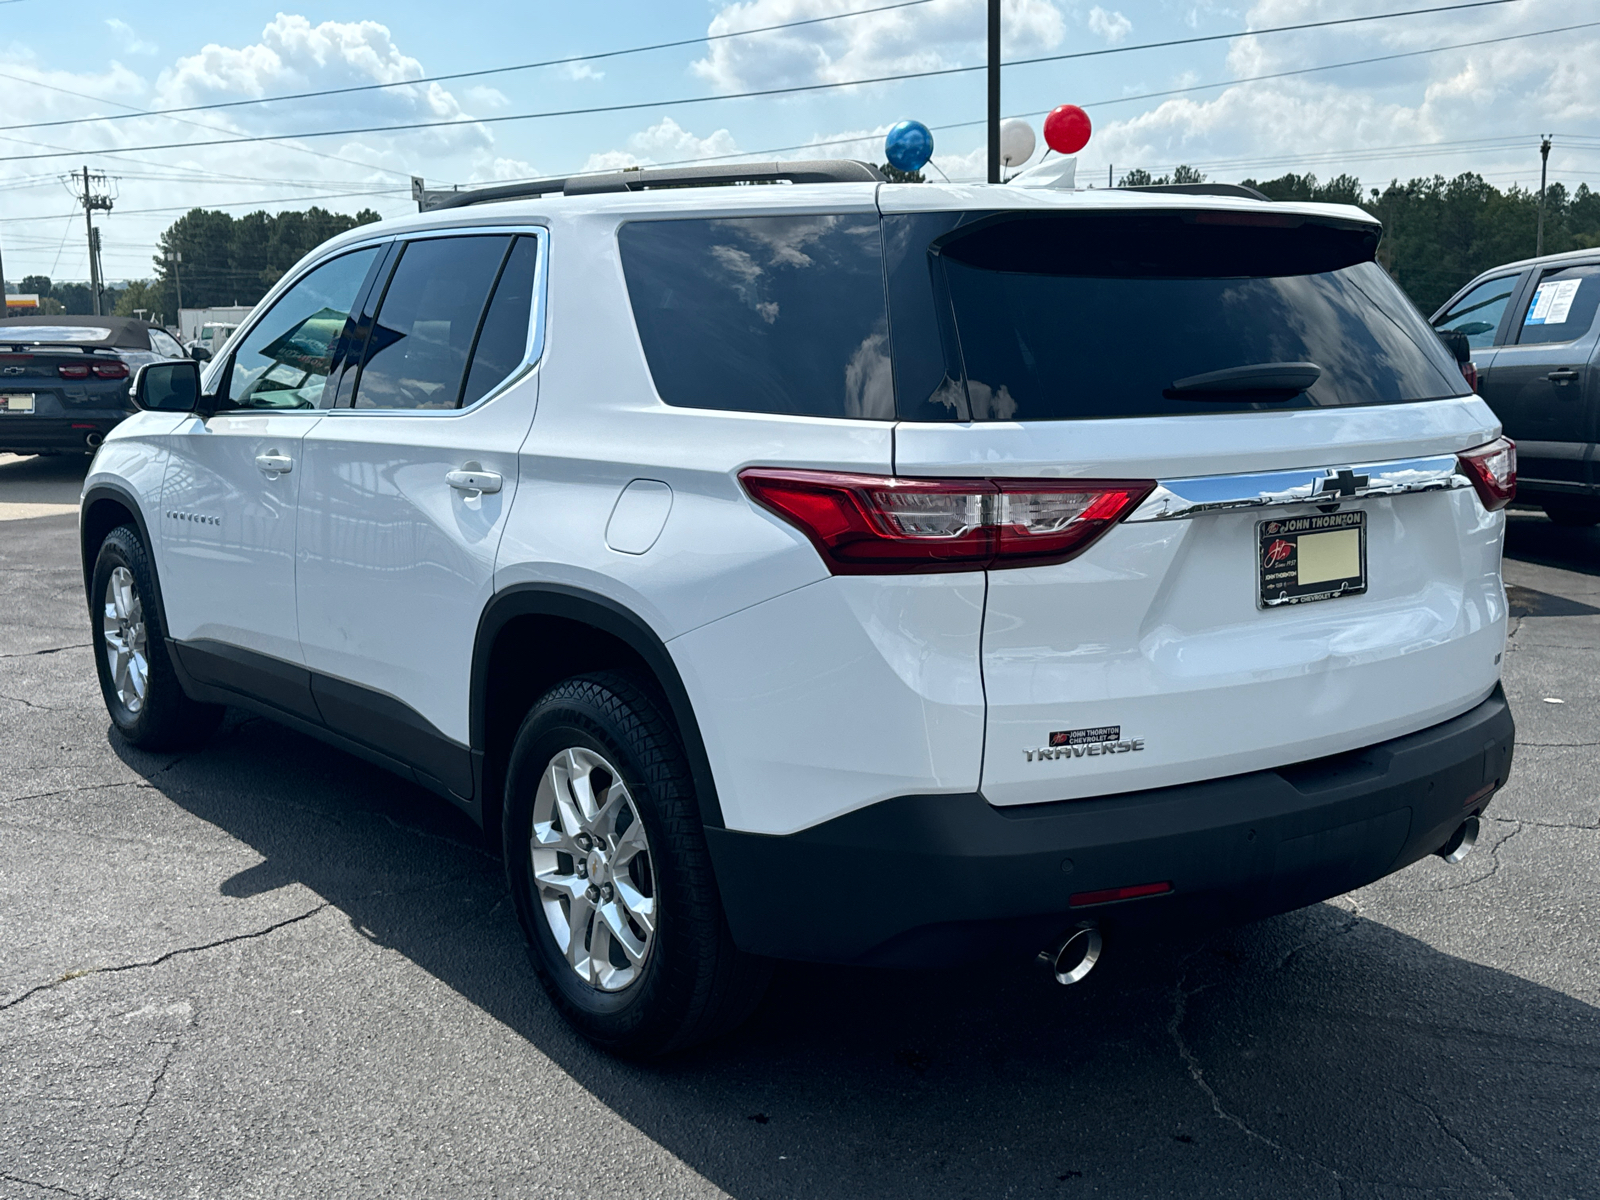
x=549 y=62
x=794 y=90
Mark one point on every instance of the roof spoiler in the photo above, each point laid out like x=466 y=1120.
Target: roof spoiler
x=1200 y=189
x=638 y=179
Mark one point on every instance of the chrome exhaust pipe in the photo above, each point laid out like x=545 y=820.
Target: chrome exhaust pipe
x=1460 y=843
x=93 y=439
x=1072 y=960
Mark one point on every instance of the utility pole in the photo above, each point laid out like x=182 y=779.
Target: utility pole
x=175 y=257
x=994 y=91
x=1544 y=166
x=91 y=203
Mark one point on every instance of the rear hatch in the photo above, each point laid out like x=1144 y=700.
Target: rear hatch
x=1310 y=572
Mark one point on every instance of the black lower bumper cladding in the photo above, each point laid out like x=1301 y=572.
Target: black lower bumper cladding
x=934 y=880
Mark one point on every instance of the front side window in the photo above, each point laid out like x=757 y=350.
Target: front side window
x=164 y=344
x=429 y=320
x=1478 y=313
x=285 y=360
x=1563 y=305
x=780 y=315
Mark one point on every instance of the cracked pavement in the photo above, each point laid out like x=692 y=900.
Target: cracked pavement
x=268 y=969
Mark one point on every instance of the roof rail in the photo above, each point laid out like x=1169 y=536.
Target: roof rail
x=1199 y=189
x=638 y=179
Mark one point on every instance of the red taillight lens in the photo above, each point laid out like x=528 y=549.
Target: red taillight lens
x=73 y=370
x=875 y=524
x=1112 y=895
x=1493 y=471
x=113 y=369
x=1469 y=372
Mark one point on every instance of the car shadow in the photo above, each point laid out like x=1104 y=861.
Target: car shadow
x=1315 y=1053
x=1534 y=538
x=42 y=479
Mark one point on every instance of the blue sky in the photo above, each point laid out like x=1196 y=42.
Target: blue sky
x=1478 y=108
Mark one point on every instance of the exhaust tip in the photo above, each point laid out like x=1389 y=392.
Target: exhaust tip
x=1461 y=842
x=94 y=439
x=1075 y=956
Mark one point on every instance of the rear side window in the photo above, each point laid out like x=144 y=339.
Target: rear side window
x=1478 y=313
x=1104 y=314
x=428 y=322
x=1563 y=305
x=763 y=314
x=503 y=340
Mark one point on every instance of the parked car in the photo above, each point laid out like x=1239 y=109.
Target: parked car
x=837 y=571
x=1536 y=347
x=64 y=380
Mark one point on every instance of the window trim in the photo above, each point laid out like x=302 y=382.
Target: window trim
x=533 y=356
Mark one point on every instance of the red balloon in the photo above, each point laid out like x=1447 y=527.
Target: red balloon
x=1066 y=129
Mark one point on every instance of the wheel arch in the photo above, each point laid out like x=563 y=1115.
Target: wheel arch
x=530 y=637
x=104 y=507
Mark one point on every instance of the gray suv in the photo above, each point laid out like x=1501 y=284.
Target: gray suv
x=1533 y=337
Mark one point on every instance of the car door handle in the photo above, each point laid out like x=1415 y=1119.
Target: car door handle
x=1564 y=375
x=274 y=463
x=474 y=481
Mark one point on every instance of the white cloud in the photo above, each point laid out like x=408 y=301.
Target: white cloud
x=665 y=142
x=128 y=39
x=577 y=71
x=927 y=37
x=1112 y=26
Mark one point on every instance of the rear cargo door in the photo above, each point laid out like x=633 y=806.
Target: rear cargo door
x=1309 y=575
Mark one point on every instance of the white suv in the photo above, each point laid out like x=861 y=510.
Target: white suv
x=837 y=570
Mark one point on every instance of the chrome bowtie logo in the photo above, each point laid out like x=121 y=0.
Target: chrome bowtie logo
x=14 y=370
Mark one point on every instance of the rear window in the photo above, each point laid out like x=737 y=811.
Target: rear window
x=1100 y=315
x=763 y=314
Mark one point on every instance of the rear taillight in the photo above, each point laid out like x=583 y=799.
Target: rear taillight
x=1493 y=471
x=876 y=524
x=112 y=369
x=1469 y=372
x=73 y=370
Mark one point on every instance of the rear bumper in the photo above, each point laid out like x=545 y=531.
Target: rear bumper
x=932 y=880
x=31 y=434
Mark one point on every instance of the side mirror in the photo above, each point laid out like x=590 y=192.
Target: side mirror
x=199 y=354
x=1456 y=342
x=172 y=386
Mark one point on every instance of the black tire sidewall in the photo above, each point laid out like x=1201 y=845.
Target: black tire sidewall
x=121 y=548
x=645 y=1010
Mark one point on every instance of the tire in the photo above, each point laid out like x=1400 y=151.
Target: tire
x=633 y=949
x=1574 y=516
x=141 y=690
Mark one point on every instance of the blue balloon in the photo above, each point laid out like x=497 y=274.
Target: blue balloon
x=908 y=146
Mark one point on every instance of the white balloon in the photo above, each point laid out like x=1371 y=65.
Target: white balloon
x=1016 y=143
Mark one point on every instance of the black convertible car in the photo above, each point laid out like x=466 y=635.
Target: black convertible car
x=64 y=380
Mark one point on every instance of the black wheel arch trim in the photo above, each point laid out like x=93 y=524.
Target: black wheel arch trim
x=609 y=617
x=125 y=498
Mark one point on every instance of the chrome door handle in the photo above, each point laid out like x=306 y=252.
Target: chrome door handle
x=486 y=482
x=1564 y=375
x=274 y=463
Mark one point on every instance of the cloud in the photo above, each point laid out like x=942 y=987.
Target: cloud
x=577 y=71
x=927 y=37
x=129 y=40
x=1112 y=26
x=661 y=143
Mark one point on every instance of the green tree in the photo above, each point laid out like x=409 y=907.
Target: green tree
x=1139 y=177
x=895 y=175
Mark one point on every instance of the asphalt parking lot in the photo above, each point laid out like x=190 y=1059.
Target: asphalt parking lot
x=267 y=969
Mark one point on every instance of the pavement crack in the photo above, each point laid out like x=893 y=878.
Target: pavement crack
x=7 y=1177
x=170 y=954
x=39 y=653
x=1455 y=1138
x=1556 y=745
x=32 y=705
x=1545 y=824
x=1494 y=858
x=138 y=1121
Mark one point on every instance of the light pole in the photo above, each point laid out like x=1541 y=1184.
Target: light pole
x=994 y=91
x=175 y=257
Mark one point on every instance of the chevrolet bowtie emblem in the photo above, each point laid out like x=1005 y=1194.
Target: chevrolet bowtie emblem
x=1343 y=482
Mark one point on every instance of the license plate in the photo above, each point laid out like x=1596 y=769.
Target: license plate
x=16 y=402
x=1302 y=559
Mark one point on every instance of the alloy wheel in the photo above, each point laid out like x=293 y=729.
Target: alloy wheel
x=124 y=631
x=593 y=870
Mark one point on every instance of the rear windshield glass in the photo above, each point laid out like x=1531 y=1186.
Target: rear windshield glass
x=763 y=314
x=1105 y=315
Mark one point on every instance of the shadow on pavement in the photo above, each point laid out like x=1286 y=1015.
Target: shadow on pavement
x=1313 y=1054
x=42 y=479
x=1533 y=537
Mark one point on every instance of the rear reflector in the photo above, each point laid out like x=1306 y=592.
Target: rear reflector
x=1493 y=471
x=1107 y=895
x=878 y=524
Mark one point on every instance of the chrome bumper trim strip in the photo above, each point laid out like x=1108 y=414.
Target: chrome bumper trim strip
x=1181 y=499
